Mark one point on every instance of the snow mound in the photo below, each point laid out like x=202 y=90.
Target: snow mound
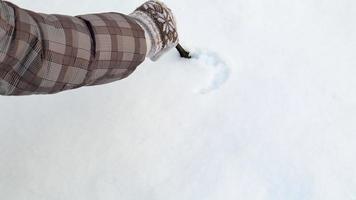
x=214 y=66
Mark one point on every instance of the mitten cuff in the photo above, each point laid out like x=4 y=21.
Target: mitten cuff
x=158 y=21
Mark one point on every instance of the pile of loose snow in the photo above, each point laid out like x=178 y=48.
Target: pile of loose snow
x=218 y=71
x=264 y=110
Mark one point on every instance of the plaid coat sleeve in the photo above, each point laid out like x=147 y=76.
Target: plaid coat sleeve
x=49 y=53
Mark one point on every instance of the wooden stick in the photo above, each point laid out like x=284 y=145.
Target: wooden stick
x=183 y=53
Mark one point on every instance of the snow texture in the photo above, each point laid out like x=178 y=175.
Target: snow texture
x=218 y=70
x=265 y=110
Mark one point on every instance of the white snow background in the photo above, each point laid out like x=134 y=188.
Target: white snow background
x=265 y=110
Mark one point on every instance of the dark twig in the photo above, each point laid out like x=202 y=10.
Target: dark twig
x=183 y=53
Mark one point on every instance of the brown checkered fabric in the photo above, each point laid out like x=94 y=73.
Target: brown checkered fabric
x=48 y=53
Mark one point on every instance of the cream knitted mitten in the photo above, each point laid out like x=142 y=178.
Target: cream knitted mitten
x=160 y=27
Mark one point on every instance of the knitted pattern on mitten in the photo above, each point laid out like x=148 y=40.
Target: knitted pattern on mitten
x=158 y=21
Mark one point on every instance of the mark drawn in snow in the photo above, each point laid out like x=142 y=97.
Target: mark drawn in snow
x=215 y=66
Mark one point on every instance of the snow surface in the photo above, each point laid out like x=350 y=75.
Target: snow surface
x=265 y=110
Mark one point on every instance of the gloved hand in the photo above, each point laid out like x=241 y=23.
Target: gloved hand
x=160 y=27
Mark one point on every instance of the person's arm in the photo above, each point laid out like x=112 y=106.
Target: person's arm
x=48 y=53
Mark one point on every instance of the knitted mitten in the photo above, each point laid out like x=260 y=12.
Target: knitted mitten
x=160 y=26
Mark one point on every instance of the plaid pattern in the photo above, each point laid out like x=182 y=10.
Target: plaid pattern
x=49 y=53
